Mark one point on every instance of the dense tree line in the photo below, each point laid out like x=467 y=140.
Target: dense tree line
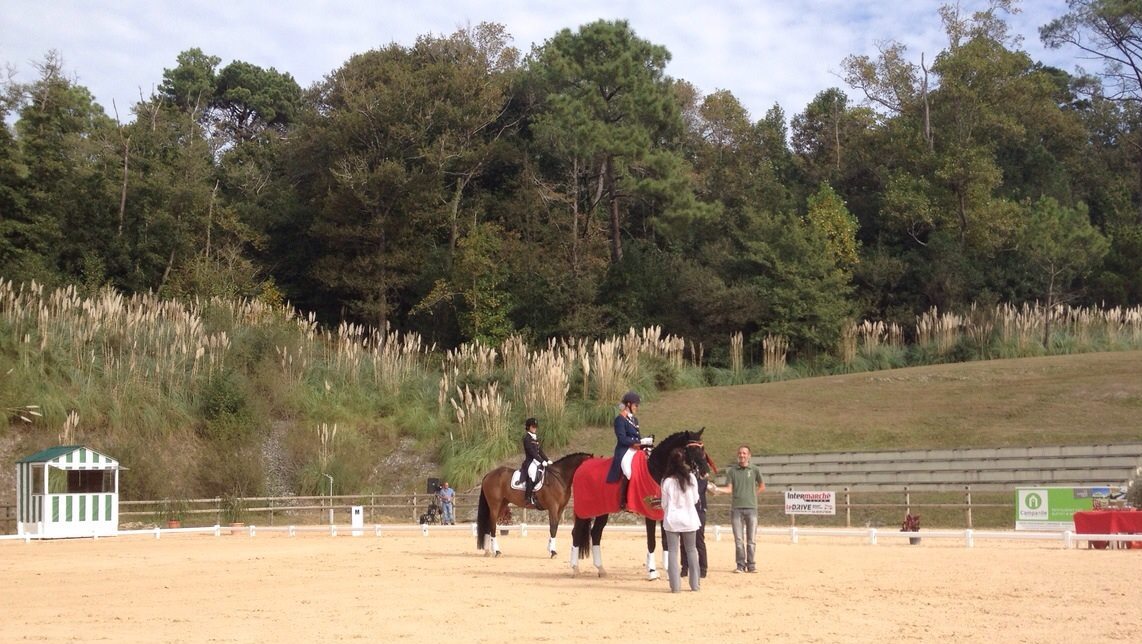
x=462 y=190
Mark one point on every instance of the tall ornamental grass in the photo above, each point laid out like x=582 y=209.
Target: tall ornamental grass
x=775 y=349
x=547 y=383
x=141 y=375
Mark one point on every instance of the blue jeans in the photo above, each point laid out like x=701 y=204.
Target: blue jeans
x=448 y=520
x=744 y=522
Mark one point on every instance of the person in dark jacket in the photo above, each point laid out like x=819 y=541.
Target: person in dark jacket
x=700 y=542
x=628 y=440
x=533 y=457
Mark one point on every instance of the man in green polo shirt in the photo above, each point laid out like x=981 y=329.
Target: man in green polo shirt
x=743 y=482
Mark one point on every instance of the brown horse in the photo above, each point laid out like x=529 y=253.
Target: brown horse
x=496 y=493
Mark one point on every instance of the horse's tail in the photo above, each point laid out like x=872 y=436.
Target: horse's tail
x=483 y=520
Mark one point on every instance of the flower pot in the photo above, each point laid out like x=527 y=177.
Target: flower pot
x=913 y=540
x=174 y=524
x=237 y=527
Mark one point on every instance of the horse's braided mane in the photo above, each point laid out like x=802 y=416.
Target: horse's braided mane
x=556 y=468
x=576 y=454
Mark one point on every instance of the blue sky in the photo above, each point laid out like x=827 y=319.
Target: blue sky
x=763 y=51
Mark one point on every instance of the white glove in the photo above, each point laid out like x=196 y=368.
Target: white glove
x=649 y=440
x=547 y=462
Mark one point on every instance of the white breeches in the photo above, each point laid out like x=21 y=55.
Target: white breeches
x=628 y=456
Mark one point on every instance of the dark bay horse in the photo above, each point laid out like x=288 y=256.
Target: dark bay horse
x=496 y=493
x=593 y=508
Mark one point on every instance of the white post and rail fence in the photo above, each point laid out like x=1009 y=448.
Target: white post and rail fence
x=809 y=514
x=861 y=509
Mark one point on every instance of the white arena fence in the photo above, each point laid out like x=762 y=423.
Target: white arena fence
x=854 y=509
x=795 y=535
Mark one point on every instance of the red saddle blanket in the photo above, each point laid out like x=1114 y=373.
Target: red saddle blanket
x=595 y=497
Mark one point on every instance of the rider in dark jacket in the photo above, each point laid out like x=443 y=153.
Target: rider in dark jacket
x=532 y=453
x=627 y=440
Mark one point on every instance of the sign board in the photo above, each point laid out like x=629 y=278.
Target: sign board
x=815 y=502
x=1053 y=508
x=357 y=517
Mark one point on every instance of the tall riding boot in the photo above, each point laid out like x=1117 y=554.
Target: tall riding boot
x=623 y=484
x=529 y=493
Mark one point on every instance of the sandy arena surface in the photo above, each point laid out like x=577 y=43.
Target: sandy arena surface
x=410 y=587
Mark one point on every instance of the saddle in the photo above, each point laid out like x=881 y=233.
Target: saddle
x=518 y=481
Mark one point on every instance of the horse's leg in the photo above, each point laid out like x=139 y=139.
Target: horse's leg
x=499 y=507
x=651 y=571
x=553 y=515
x=580 y=539
x=596 y=542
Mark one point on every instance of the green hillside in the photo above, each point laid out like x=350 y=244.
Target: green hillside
x=1076 y=399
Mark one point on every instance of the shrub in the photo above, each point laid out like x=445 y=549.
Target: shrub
x=1134 y=492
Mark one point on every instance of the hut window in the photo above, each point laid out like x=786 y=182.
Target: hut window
x=80 y=481
x=87 y=481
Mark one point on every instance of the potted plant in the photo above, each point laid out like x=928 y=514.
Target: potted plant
x=911 y=524
x=234 y=511
x=174 y=510
x=504 y=518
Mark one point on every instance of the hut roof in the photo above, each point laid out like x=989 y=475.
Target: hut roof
x=72 y=457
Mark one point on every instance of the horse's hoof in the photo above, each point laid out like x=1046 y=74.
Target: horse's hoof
x=553 y=553
x=652 y=575
x=574 y=571
x=487 y=553
x=602 y=573
x=498 y=553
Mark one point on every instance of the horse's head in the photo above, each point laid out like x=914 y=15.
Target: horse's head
x=690 y=442
x=696 y=457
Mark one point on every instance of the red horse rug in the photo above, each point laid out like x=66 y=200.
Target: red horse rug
x=595 y=497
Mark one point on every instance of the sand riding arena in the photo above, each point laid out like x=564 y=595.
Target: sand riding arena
x=405 y=585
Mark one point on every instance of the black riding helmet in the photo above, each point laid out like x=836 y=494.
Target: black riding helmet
x=530 y=422
x=631 y=398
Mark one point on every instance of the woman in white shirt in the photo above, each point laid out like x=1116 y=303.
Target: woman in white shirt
x=680 y=520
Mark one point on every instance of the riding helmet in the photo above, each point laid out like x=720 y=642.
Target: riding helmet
x=631 y=398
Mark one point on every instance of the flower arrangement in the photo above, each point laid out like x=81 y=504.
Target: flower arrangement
x=911 y=524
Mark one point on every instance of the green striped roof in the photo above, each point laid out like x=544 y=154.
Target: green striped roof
x=53 y=453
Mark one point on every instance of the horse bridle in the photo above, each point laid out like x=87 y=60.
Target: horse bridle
x=709 y=461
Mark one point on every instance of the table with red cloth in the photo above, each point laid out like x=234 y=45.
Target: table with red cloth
x=1109 y=522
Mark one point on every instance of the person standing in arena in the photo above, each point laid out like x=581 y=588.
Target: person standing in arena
x=680 y=518
x=700 y=537
x=447 y=496
x=743 y=484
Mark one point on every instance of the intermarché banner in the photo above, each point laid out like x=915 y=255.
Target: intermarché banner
x=810 y=502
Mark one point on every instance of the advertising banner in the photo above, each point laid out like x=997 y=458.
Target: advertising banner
x=1052 y=508
x=810 y=502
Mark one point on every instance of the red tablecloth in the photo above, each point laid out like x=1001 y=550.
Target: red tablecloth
x=1108 y=522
